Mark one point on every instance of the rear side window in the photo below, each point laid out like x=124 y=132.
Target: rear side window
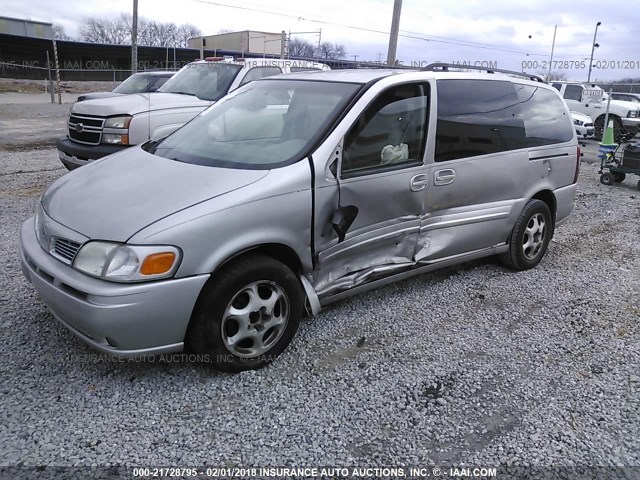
x=477 y=117
x=544 y=115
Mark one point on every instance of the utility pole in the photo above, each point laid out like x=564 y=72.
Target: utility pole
x=393 y=37
x=553 y=46
x=593 y=47
x=283 y=44
x=134 y=38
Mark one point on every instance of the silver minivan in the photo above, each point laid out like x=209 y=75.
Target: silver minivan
x=294 y=192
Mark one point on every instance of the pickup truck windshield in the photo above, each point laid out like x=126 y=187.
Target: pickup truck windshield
x=136 y=83
x=207 y=81
x=263 y=125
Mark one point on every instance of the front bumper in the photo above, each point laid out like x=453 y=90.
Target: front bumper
x=74 y=155
x=631 y=124
x=124 y=320
x=584 y=132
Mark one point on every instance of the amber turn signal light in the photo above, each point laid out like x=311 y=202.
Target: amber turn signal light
x=157 y=263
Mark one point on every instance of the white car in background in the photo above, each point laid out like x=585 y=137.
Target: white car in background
x=583 y=125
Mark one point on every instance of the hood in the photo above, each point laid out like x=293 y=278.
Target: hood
x=582 y=117
x=136 y=103
x=94 y=95
x=115 y=197
x=623 y=104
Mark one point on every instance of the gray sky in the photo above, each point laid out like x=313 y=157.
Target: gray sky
x=451 y=31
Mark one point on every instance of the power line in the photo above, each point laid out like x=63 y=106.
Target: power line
x=411 y=35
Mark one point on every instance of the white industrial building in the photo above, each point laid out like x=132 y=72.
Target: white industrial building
x=249 y=41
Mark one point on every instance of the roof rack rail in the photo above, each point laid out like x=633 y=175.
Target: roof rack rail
x=444 y=67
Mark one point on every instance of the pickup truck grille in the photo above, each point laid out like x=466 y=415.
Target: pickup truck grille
x=65 y=249
x=85 y=129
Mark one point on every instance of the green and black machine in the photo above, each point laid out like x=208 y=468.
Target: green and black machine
x=618 y=161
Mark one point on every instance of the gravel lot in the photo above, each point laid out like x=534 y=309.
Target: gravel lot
x=472 y=365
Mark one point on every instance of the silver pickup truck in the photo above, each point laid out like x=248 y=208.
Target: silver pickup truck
x=100 y=127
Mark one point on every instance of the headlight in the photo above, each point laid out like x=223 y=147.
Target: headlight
x=127 y=263
x=117 y=122
x=578 y=122
x=115 y=139
x=632 y=114
x=116 y=130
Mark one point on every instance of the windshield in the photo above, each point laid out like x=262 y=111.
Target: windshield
x=207 y=81
x=136 y=83
x=263 y=125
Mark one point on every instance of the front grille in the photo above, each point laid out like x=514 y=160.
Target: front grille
x=85 y=129
x=588 y=124
x=65 y=249
x=84 y=137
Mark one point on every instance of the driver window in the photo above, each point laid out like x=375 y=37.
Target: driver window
x=573 y=92
x=391 y=131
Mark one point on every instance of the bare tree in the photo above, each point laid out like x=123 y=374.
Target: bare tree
x=185 y=32
x=59 y=33
x=554 y=76
x=301 y=48
x=150 y=32
x=113 y=32
x=331 y=50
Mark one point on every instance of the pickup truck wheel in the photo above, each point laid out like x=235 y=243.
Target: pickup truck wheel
x=530 y=236
x=246 y=314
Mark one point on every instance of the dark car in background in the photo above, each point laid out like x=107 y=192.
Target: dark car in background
x=142 y=82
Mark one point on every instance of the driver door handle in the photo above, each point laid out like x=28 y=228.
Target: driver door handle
x=418 y=182
x=444 y=177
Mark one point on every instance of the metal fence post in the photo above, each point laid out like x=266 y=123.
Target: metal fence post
x=53 y=99
x=55 y=57
x=606 y=115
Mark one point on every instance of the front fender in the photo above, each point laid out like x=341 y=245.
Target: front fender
x=276 y=209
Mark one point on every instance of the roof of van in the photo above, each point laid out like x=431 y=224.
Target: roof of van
x=365 y=75
x=359 y=75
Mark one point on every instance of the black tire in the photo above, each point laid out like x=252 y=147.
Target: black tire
x=619 y=177
x=519 y=256
x=607 y=178
x=205 y=335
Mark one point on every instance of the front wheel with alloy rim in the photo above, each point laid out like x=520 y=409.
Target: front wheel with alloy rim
x=246 y=314
x=530 y=236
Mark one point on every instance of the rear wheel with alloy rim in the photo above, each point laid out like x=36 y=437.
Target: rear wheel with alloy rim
x=530 y=236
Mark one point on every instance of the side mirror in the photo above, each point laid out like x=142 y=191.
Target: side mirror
x=342 y=220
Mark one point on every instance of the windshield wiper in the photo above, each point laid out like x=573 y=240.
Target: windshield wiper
x=183 y=93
